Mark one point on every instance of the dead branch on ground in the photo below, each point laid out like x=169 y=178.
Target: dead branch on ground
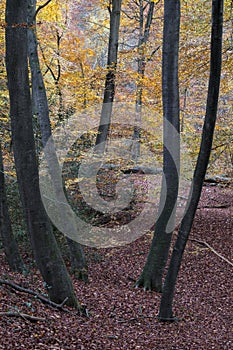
x=211 y=248
x=35 y=294
x=23 y=316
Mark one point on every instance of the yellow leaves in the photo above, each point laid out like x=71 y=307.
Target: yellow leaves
x=53 y=12
x=73 y=181
x=4 y=120
x=76 y=45
x=77 y=52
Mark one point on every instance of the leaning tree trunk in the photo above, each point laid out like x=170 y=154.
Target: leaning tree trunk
x=165 y=313
x=151 y=277
x=109 y=90
x=46 y=251
x=40 y=102
x=9 y=243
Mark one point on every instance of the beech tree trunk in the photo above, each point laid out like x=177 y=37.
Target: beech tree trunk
x=151 y=277
x=9 y=243
x=79 y=264
x=109 y=90
x=166 y=313
x=143 y=38
x=46 y=251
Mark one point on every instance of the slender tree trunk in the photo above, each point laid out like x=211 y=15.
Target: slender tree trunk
x=165 y=313
x=41 y=105
x=151 y=277
x=109 y=91
x=9 y=243
x=143 y=38
x=78 y=260
x=46 y=251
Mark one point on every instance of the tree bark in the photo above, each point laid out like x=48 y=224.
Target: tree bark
x=151 y=277
x=78 y=260
x=10 y=245
x=46 y=251
x=109 y=90
x=143 y=38
x=165 y=312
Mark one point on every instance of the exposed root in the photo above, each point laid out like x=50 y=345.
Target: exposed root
x=148 y=283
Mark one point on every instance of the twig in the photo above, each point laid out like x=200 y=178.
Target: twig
x=129 y=320
x=133 y=319
x=211 y=248
x=219 y=206
x=41 y=7
x=23 y=316
x=152 y=54
x=37 y=295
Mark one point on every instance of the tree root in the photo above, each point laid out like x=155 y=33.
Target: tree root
x=169 y=319
x=148 y=284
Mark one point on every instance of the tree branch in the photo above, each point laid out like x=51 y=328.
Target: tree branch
x=24 y=316
x=46 y=64
x=35 y=294
x=152 y=54
x=211 y=248
x=40 y=8
x=216 y=206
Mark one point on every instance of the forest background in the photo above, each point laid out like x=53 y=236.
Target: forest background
x=73 y=41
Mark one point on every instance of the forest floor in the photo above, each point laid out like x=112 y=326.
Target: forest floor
x=122 y=317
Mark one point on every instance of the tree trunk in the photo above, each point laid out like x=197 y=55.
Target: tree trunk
x=143 y=38
x=109 y=90
x=46 y=251
x=9 y=243
x=151 y=277
x=165 y=313
x=40 y=103
x=78 y=260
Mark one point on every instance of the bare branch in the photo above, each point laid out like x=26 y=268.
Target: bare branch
x=48 y=65
x=41 y=7
x=35 y=294
x=23 y=316
x=152 y=54
x=211 y=248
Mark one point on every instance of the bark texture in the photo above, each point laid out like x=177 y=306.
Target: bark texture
x=166 y=313
x=151 y=277
x=143 y=38
x=40 y=103
x=46 y=251
x=109 y=90
x=10 y=245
